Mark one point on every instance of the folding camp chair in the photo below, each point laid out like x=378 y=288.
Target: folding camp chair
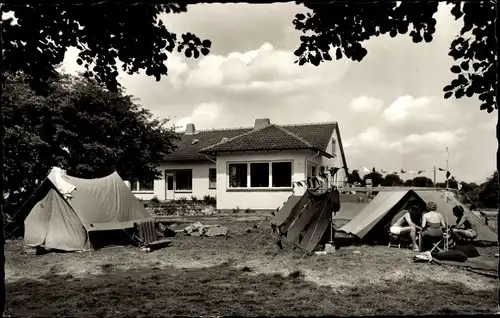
x=442 y=244
x=398 y=241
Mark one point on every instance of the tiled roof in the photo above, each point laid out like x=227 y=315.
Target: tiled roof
x=319 y=134
x=272 y=137
x=187 y=150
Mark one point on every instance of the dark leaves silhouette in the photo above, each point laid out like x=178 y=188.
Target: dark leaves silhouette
x=133 y=34
x=344 y=26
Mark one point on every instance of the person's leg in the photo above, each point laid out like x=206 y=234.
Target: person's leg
x=412 y=232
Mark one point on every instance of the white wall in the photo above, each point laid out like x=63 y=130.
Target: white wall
x=257 y=199
x=340 y=177
x=199 y=182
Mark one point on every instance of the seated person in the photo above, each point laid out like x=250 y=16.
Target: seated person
x=463 y=228
x=433 y=225
x=403 y=225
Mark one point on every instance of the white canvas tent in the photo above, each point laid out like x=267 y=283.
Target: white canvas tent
x=64 y=210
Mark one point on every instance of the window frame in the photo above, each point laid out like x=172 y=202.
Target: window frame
x=228 y=175
x=249 y=187
x=135 y=186
x=334 y=145
x=176 y=179
x=212 y=185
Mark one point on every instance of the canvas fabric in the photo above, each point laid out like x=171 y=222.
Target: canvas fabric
x=63 y=222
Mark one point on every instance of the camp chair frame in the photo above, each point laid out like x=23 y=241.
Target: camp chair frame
x=444 y=241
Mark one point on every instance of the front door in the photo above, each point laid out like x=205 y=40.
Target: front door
x=169 y=186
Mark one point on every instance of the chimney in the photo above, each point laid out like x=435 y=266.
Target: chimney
x=190 y=129
x=261 y=122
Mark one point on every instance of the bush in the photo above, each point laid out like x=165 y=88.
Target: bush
x=194 y=199
x=209 y=200
x=155 y=200
x=183 y=200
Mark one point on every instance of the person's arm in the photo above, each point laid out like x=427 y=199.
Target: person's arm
x=424 y=221
x=443 y=223
x=462 y=221
x=410 y=222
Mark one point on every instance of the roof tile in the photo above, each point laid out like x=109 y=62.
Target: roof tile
x=272 y=137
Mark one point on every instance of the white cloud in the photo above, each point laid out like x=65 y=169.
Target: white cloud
x=434 y=139
x=203 y=116
x=408 y=108
x=264 y=69
x=364 y=104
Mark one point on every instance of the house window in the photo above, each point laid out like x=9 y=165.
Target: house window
x=238 y=173
x=313 y=170
x=259 y=175
x=212 y=178
x=183 y=180
x=142 y=185
x=334 y=145
x=282 y=174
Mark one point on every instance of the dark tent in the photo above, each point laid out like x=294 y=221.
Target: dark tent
x=304 y=219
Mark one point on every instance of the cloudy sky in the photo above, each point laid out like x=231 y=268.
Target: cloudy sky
x=389 y=107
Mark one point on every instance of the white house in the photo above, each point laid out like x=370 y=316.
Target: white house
x=250 y=168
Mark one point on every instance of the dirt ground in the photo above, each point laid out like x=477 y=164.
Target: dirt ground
x=244 y=274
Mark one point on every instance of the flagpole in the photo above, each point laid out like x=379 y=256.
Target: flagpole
x=434 y=176
x=447 y=158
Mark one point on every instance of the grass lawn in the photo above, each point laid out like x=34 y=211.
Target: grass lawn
x=243 y=274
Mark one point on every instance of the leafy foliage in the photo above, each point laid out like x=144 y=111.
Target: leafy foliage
x=79 y=126
x=354 y=177
x=484 y=195
x=392 y=180
x=342 y=26
x=133 y=34
x=377 y=178
x=422 y=182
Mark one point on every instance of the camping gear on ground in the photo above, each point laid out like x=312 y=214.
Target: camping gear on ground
x=469 y=251
x=330 y=247
x=451 y=255
x=303 y=220
x=483 y=265
x=198 y=229
x=68 y=213
x=147 y=235
x=424 y=257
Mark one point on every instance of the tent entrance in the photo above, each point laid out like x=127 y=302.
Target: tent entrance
x=121 y=237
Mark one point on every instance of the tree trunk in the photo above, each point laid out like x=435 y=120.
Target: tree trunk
x=498 y=199
x=2 y=236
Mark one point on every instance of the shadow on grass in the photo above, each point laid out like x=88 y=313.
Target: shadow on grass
x=225 y=290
